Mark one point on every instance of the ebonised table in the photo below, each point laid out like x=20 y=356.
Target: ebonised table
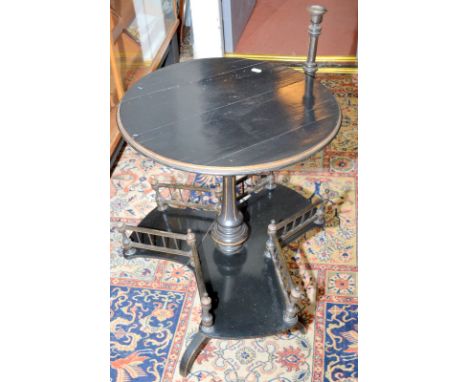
x=230 y=117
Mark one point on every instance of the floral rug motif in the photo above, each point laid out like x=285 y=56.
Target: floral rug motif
x=143 y=324
x=155 y=308
x=341 y=345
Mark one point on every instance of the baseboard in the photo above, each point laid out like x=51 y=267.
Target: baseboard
x=332 y=70
x=328 y=64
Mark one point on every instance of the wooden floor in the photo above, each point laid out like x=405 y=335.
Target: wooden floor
x=279 y=27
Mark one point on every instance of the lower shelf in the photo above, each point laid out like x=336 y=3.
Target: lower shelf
x=246 y=295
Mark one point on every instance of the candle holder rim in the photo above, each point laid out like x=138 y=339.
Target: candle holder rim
x=317 y=9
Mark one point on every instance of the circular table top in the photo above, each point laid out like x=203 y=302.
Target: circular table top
x=228 y=116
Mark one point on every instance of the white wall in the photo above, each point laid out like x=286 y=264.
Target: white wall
x=207 y=28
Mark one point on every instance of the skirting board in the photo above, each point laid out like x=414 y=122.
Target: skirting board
x=339 y=64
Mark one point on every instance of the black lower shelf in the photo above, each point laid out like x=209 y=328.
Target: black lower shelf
x=247 y=299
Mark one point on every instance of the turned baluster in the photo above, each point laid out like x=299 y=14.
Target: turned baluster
x=315 y=27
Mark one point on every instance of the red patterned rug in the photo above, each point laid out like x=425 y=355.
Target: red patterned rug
x=154 y=304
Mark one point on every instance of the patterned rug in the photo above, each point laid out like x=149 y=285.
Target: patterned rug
x=155 y=307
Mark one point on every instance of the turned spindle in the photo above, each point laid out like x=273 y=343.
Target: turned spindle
x=315 y=27
x=207 y=317
x=292 y=309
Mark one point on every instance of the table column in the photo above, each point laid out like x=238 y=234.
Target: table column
x=230 y=230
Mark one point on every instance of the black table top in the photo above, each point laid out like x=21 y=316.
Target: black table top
x=228 y=116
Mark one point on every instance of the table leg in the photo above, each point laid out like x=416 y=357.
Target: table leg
x=230 y=231
x=188 y=358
